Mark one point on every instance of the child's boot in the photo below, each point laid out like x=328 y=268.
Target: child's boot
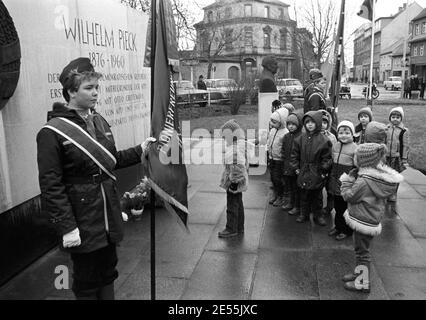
x=273 y=198
x=361 y=283
x=278 y=202
x=294 y=212
x=303 y=217
x=287 y=203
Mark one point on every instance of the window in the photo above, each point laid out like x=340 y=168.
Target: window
x=228 y=39
x=415 y=52
x=417 y=29
x=281 y=10
x=283 y=39
x=247 y=10
x=228 y=13
x=266 y=12
x=424 y=27
x=248 y=36
x=210 y=16
x=422 y=50
x=267 y=37
x=267 y=40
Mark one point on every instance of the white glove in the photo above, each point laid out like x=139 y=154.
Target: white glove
x=71 y=239
x=147 y=142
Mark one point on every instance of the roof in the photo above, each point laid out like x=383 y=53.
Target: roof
x=219 y=3
x=420 y=16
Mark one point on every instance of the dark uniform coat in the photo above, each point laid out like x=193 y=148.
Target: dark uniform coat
x=312 y=155
x=70 y=203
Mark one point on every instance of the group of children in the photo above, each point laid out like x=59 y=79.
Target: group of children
x=358 y=167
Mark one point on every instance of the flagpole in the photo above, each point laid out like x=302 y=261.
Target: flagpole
x=339 y=54
x=370 y=91
x=153 y=49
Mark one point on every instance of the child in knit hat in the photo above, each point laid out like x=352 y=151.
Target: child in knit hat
x=278 y=124
x=398 y=147
x=291 y=201
x=276 y=104
x=365 y=116
x=343 y=162
x=366 y=192
x=234 y=178
x=376 y=132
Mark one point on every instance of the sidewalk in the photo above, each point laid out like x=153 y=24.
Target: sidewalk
x=276 y=258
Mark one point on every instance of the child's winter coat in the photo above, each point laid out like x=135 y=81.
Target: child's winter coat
x=343 y=162
x=288 y=145
x=367 y=195
x=276 y=136
x=236 y=167
x=327 y=131
x=312 y=155
x=398 y=138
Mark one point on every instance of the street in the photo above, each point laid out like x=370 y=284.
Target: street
x=356 y=90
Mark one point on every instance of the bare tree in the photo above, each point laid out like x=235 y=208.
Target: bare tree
x=213 y=41
x=320 y=19
x=183 y=16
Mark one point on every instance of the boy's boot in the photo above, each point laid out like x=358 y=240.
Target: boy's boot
x=294 y=212
x=278 y=202
x=287 y=203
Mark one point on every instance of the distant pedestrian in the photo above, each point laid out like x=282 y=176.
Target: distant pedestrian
x=201 y=85
x=311 y=160
x=407 y=88
x=278 y=122
x=291 y=201
x=366 y=190
x=314 y=95
x=234 y=178
x=422 y=88
x=343 y=162
x=398 y=147
x=365 y=116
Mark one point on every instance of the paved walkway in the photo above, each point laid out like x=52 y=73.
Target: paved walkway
x=276 y=258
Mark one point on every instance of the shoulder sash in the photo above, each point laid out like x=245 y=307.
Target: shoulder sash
x=83 y=141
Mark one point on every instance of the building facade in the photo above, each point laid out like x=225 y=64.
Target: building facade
x=235 y=36
x=418 y=45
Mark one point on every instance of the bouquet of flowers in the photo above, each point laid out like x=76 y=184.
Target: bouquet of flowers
x=134 y=202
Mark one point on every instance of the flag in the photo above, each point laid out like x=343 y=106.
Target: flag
x=366 y=10
x=167 y=173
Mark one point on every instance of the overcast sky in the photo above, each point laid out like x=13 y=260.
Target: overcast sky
x=384 y=8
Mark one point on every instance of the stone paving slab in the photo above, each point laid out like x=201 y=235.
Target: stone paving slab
x=285 y=275
x=206 y=208
x=332 y=265
x=249 y=242
x=413 y=213
x=37 y=282
x=281 y=231
x=407 y=191
x=221 y=276
x=396 y=247
x=414 y=177
x=404 y=283
x=138 y=286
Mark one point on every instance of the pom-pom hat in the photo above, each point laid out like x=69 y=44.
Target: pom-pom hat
x=369 y=155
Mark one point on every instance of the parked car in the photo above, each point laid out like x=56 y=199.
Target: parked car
x=186 y=94
x=219 y=89
x=290 y=88
x=345 y=91
x=394 y=83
